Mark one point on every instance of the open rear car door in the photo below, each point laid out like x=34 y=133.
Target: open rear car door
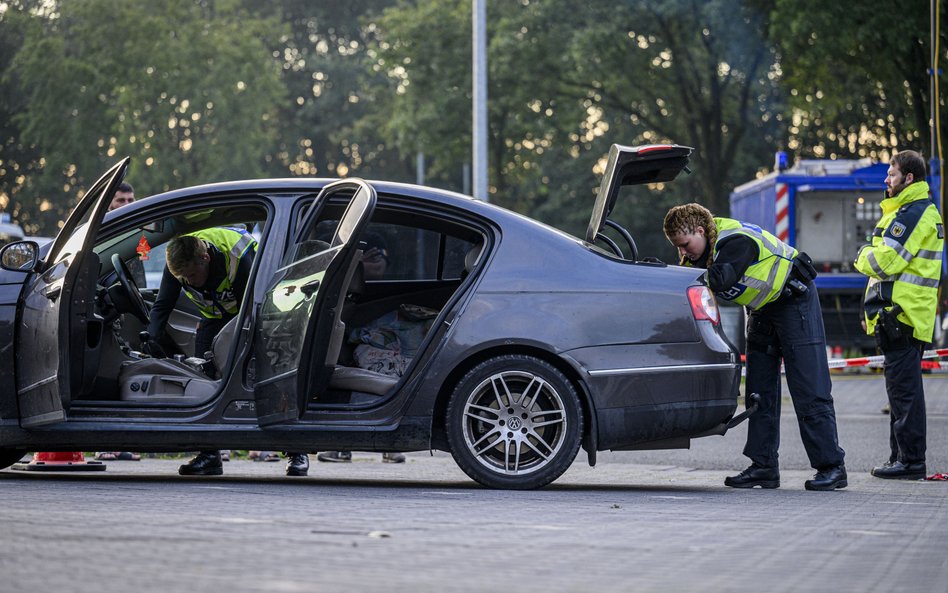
x=298 y=331
x=57 y=329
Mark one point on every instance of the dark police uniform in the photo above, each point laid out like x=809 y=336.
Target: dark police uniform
x=751 y=267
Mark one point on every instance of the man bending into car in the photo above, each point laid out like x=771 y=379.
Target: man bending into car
x=212 y=267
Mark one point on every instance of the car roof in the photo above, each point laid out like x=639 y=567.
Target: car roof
x=294 y=186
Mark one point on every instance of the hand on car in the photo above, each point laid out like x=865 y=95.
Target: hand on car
x=153 y=349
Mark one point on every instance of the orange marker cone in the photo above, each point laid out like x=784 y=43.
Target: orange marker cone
x=60 y=461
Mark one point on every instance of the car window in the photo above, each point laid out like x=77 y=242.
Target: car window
x=154 y=266
x=419 y=254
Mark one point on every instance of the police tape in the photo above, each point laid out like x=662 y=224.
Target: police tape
x=877 y=361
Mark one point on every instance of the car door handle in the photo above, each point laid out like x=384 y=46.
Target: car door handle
x=53 y=292
x=310 y=287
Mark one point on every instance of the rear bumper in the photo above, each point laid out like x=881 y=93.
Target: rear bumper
x=664 y=403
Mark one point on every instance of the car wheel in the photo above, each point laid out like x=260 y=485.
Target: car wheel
x=514 y=422
x=8 y=457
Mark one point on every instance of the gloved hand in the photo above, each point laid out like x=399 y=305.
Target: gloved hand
x=151 y=347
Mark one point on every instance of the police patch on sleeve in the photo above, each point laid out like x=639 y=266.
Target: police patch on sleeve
x=897 y=229
x=941 y=231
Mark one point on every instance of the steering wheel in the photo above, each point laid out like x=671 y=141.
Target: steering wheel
x=139 y=307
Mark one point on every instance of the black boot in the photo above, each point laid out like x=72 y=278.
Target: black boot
x=828 y=479
x=896 y=470
x=207 y=463
x=297 y=464
x=755 y=475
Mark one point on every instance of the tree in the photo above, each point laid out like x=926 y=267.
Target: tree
x=19 y=161
x=323 y=58
x=856 y=74
x=564 y=84
x=183 y=87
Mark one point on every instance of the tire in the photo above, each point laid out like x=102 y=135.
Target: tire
x=8 y=457
x=514 y=422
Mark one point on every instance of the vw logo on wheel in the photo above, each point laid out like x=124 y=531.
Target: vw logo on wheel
x=514 y=423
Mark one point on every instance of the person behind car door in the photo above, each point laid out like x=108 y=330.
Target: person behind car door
x=212 y=267
x=751 y=267
x=903 y=264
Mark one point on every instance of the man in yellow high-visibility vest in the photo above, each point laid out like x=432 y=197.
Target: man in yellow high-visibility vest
x=903 y=264
x=212 y=267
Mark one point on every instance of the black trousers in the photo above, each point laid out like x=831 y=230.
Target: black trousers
x=903 y=385
x=791 y=328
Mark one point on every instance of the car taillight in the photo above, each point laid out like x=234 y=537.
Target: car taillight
x=703 y=305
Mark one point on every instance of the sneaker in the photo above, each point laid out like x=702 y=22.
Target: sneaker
x=335 y=456
x=297 y=464
x=393 y=458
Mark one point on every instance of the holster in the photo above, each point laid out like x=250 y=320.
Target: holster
x=762 y=337
x=892 y=334
x=803 y=269
x=802 y=273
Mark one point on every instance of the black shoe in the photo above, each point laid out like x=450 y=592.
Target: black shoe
x=755 y=475
x=896 y=470
x=207 y=463
x=297 y=464
x=833 y=478
x=335 y=456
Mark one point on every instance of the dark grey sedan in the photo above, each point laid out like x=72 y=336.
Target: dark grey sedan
x=486 y=334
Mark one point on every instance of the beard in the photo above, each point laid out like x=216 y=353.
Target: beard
x=897 y=189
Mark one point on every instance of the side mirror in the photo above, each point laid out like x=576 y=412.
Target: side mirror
x=21 y=256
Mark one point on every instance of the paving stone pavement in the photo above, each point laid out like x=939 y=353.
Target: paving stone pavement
x=642 y=522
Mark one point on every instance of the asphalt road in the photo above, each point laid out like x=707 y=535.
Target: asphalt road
x=639 y=521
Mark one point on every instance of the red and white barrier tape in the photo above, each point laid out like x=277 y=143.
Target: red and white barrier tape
x=876 y=361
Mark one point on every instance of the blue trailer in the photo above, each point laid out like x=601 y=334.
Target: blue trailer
x=827 y=208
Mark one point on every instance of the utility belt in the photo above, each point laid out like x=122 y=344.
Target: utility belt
x=801 y=274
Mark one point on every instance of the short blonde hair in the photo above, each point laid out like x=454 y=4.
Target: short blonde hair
x=184 y=251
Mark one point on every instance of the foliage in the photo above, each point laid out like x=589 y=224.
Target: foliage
x=562 y=89
x=183 y=87
x=330 y=91
x=19 y=161
x=856 y=74
x=203 y=90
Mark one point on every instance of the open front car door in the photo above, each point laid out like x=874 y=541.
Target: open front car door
x=298 y=330
x=57 y=329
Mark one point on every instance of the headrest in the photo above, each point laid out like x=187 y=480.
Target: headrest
x=470 y=258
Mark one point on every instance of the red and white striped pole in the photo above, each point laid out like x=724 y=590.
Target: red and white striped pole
x=782 y=207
